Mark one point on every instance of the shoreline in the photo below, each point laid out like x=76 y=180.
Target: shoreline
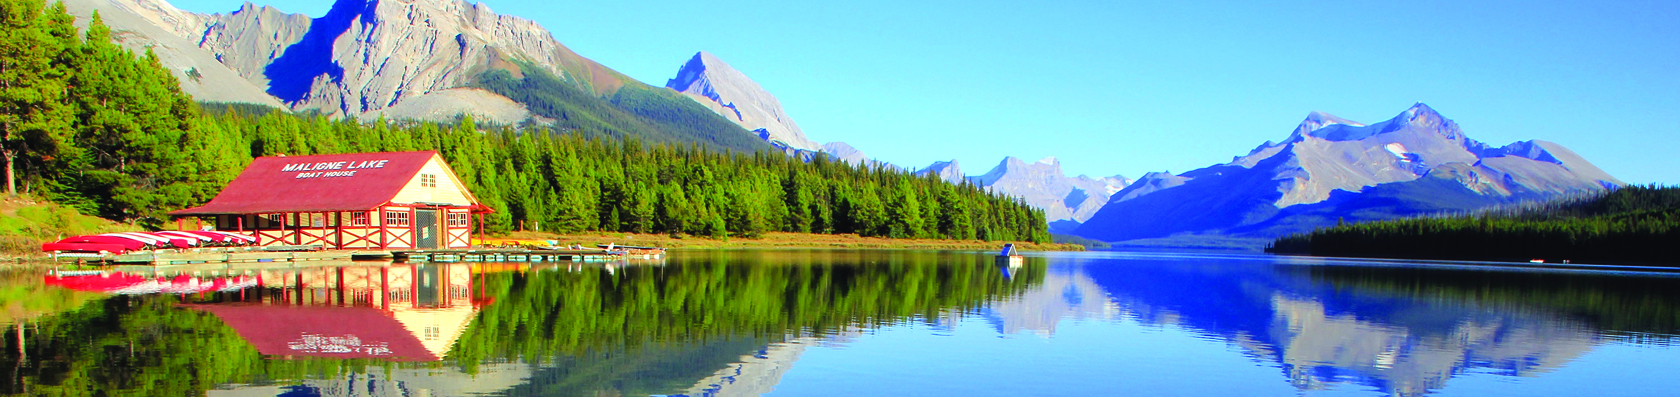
x=777 y=240
x=781 y=240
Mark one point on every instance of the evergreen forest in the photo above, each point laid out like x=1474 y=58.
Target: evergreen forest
x=1629 y=225
x=93 y=126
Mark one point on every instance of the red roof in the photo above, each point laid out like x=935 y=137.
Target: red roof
x=319 y=183
x=314 y=331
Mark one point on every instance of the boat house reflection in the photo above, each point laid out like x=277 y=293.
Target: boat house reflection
x=379 y=310
x=402 y=312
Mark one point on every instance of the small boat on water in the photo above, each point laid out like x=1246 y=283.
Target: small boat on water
x=1010 y=257
x=635 y=251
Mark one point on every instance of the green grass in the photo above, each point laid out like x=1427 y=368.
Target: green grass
x=26 y=223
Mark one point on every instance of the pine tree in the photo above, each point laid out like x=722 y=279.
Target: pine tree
x=33 y=119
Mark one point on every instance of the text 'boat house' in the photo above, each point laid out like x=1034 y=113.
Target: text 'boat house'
x=397 y=200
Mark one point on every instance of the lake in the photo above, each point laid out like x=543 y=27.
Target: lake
x=845 y=322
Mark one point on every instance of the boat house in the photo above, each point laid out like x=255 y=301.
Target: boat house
x=399 y=200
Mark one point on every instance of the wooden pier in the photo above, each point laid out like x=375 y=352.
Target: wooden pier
x=315 y=253
x=513 y=255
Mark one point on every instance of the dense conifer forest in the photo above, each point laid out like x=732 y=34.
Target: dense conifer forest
x=93 y=126
x=1630 y=225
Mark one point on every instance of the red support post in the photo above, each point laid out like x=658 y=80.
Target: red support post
x=297 y=217
x=384 y=288
x=338 y=223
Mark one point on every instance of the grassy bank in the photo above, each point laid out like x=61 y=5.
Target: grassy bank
x=782 y=240
x=26 y=223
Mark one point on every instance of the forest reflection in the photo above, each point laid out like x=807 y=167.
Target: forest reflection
x=468 y=328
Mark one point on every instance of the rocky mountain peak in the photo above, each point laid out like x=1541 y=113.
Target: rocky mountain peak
x=1042 y=184
x=1316 y=120
x=726 y=91
x=365 y=56
x=1421 y=114
x=1418 y=162
x=948 y=171
x=690 y=73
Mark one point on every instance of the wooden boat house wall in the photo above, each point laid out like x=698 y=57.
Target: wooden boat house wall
x=399 y=200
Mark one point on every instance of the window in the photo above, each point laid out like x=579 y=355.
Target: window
x=358 y=219
x=428 y=180
x=396 y=218
x=457 y=220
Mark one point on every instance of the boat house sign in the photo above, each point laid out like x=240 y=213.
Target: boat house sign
x=331 y=169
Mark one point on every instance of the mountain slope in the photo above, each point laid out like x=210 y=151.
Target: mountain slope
x=654 y=115
x=1332 y=169
x=139 y=25
x=731 y=94
x=415 y=59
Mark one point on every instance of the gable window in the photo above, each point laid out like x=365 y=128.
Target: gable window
x=428 y=180
x=396 y=218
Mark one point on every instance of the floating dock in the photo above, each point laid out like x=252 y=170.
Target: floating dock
x=513 y=255
x=315 y=253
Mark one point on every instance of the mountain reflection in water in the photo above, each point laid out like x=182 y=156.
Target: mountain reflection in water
x=719 y=323
x=1399 y=329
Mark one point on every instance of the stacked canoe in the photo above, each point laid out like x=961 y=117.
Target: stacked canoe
x=125 y=242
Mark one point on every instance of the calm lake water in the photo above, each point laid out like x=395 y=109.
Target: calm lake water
x=822 y=323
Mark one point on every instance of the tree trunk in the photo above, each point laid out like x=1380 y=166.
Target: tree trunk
x=11 y=180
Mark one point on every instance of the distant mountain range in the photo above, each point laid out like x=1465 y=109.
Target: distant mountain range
x=1067 y=201
x=1332 y=170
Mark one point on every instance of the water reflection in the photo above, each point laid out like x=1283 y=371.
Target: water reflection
x=725 y=323
x=1401 y=330
x=703 y=324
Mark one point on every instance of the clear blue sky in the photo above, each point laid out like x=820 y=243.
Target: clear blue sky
x=1114 y=87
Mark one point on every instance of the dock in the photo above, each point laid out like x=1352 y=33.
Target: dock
x=512 y=255
x=308 y=253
